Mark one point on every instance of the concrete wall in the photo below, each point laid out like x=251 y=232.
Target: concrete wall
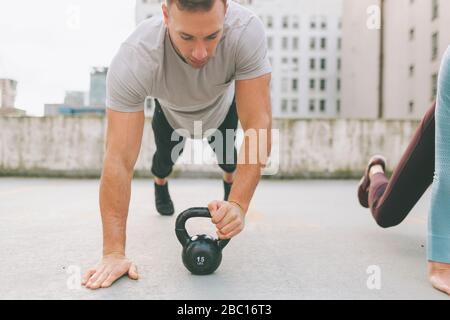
x=71 y=146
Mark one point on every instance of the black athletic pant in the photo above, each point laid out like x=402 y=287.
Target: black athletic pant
x=164 y=160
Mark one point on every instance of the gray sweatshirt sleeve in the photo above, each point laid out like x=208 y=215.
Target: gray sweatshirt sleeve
x=126 y=84
x=252 y=60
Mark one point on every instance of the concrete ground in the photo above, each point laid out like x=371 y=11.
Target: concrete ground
x=303 y=240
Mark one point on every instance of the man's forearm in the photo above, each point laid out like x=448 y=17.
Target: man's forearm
x=248 y=173
x=115 y=190
x=244 y=185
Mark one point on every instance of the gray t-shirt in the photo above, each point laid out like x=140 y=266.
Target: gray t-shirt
x=148 y=65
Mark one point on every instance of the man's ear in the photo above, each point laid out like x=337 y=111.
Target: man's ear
x=165 y=12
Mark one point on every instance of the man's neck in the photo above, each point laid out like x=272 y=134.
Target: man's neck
x=175 y=48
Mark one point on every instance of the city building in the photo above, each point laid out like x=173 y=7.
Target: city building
x=391 y=71
x=304 y=45
x=97 y=92
x=75 y=98
x=75 y=102
x=8 y=92
x=57 y=109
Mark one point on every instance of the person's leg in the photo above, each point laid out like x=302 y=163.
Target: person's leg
x=391 y=200
x=169 y=146
x=166 y=139
x=223 y=144
x=439 y=218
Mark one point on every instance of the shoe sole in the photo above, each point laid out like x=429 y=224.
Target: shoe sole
x=166 y=213
x=363 y=194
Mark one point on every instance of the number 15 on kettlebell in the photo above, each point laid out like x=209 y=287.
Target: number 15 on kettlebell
x=201 y=253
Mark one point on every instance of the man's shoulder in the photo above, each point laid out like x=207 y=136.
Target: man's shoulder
x=148 y=35
x=142 y=51
x=238 y=16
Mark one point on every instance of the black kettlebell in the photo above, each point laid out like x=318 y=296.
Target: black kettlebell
x=201 y=253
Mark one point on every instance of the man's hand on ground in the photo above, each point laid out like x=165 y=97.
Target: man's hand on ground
x=228 y=218
x=111 y=268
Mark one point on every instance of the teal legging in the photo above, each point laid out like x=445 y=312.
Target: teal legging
x=439 y=218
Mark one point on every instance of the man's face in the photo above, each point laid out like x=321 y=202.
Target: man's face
x=195 y=34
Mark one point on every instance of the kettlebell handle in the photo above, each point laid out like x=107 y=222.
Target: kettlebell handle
x=180 y=225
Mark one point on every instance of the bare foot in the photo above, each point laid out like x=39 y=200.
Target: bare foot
x=439 y=275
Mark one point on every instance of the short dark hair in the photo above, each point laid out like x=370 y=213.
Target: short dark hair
x=194 y=5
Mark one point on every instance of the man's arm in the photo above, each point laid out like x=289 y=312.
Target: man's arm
x=255 y=114
x=123 y=143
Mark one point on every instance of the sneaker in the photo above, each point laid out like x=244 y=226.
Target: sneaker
x=164 y=204
x=227 y=188
x=363 y=187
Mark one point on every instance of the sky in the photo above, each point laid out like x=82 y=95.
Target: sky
x=49 y=46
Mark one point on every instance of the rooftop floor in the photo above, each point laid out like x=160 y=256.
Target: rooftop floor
x=303 y=240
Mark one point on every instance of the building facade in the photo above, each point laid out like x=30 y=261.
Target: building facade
x=304 y=43
x=391 y=72
x=75 y=98
x=75 y=102
x=97 y=92
x=361 y=59
x=8 y=91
